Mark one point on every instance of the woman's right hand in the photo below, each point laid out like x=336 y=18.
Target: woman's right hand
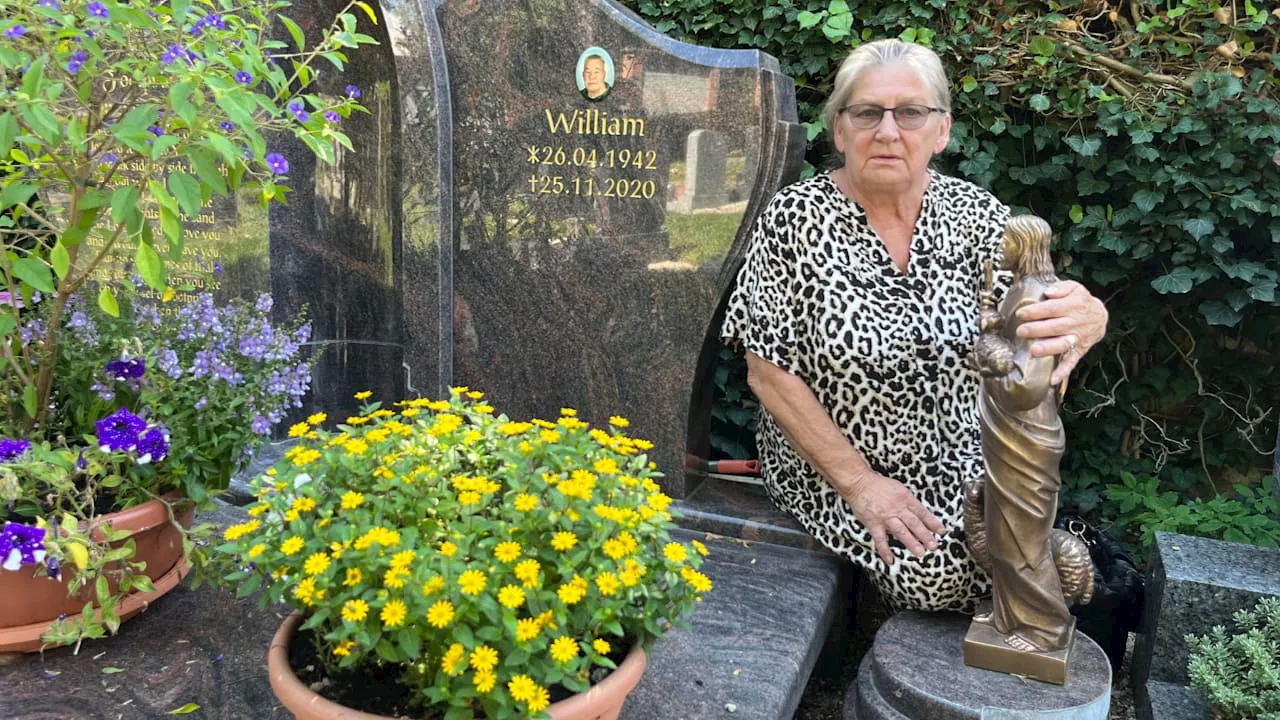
x=887 y=508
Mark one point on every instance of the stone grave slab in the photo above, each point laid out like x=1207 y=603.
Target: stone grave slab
x=575 y=279
x=1193 y=584
x=915 y=670
x=1168 y=701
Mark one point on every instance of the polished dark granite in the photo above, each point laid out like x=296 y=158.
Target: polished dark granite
x=1193 y=584
x=576 y=282
x=916 y=669
x=752 y=642
x=1167 y=701
x=335 y=248
x=740 y=510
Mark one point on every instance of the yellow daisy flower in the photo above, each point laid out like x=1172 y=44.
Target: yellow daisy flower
x=601 y=646
x=317 y=418
x=291 y=546
x=564 y=649
x=355 y=610
x=484 y=658
x=440 y=614
x=471 y=582
x=393 y=614
x=507 y=551
x=511 y=596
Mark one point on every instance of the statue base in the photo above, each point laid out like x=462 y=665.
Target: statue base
x=985 y=647
x=915 y=670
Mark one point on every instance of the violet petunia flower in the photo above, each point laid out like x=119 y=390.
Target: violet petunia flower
x=77 y=61
x=331 y=116
x=20 y=545
x=127 y=369
x=119 y=431
x=277 y=163
x=153 y=445
x=15 y=32
x=353 y=92
x=12 y=449
x=97 y=9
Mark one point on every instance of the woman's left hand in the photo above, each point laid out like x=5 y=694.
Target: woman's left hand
x=1068 y=322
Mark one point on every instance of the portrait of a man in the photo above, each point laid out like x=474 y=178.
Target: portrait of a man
x=595 y=73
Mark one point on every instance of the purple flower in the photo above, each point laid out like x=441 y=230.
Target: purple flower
x=353 y=92
x=20 y=545
x=126 y=369
x=331 y=116
x=215 y=21
x=153 y=445
x=53 y=569
x=298 y=111
x=173 y=53
x=264 y=303
x=244 y=78
x=156 y=130
x=167 y=362
x=15 y=32
x=106 y=392
x=11 y=449
x=227 y=126
x=261 y=425
x=97 y=9
x=277 y=163
x=119 y=431
x=51 y=4
x=303 y=333
x=108 y=158
x=77 y=61
x=217 y=266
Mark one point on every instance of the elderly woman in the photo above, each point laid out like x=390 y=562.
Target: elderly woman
x=857 y=308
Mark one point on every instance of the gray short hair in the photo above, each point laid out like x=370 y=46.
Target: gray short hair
x=924 y=61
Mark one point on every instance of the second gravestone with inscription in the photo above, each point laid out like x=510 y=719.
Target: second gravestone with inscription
x=603 y=178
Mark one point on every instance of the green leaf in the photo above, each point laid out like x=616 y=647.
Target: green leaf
x=295 y=32
x=109 y=670
x=1181 y=280
x=968 y=83
x=7 y=324
x=1197 y=227
x=8 y=132
x=29 y=401
x=1076 y=214
x=107 y=301
x=186 y=190
x=122 y=201
x=34 y=77
x=150 y=266
x=1039 y=102
x=180 y=99
x=373 y=18
x=16 y=193
x=1042 y=46
x=1087 y=147
x=206 y=169
x=60 y=259
x=1146 y=200
x=185 y=709
x=34 y=273
x=410 y=642
x=1216 y=312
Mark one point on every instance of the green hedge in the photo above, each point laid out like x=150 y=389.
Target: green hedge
x=1149 y=135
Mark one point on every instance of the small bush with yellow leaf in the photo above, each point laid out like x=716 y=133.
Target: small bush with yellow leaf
x=481 y=561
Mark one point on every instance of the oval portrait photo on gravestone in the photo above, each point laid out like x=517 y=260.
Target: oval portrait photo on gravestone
x=594 y=74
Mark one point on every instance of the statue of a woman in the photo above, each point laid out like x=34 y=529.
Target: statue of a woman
x=1036 y=571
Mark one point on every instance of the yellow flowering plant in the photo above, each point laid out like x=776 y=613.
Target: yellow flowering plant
x=483 y=562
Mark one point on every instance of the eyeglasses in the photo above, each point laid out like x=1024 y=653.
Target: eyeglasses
x=907 y=117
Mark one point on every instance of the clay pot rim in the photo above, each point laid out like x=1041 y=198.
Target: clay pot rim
x=285 y=682
x=144 y=516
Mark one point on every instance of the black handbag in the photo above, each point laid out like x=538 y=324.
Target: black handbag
x=1118 y=593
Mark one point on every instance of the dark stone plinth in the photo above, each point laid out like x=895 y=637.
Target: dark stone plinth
x=1166 y=701
x=191 y=646
x=752 y=642
x=1192 y=584
x=915 y=671
x=741 y=510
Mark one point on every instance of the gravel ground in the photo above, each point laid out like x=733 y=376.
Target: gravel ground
x=824 y=695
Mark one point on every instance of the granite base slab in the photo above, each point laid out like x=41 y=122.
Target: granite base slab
x=1167 y=701
x=915 y=671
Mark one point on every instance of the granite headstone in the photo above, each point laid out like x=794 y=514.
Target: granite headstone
x=573 y=283
x=1193 y=584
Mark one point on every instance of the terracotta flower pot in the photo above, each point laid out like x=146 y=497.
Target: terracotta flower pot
x=602 y=702
x=30 y=601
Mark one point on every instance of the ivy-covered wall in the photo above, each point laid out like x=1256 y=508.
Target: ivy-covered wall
x=1148 y=133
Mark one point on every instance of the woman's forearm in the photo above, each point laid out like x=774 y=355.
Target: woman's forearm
x=807 y=425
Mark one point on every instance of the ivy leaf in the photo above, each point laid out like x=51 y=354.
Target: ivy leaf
x=1181 y=280
x=1216 y=312
x=1087 y=147
x=1076 y=214
x=1263 y=291
x=1146 y=200
x=1197 y=227
x=968 y=83
x=809 y=19
x=1040 y=102
x=1042 y=46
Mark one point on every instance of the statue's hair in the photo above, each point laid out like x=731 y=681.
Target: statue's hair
x=1030 y=235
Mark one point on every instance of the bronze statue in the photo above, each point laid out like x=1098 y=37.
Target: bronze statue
x=1036 y=571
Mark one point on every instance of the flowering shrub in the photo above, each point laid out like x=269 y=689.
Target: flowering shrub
x=478 y=560
x=117 y=121
x=151 y=403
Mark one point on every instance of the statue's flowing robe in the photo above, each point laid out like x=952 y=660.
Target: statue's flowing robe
x=1023 y=440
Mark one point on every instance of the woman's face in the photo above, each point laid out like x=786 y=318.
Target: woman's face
x=888 y=157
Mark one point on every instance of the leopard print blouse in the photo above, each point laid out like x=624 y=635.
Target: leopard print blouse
x=885 y=352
